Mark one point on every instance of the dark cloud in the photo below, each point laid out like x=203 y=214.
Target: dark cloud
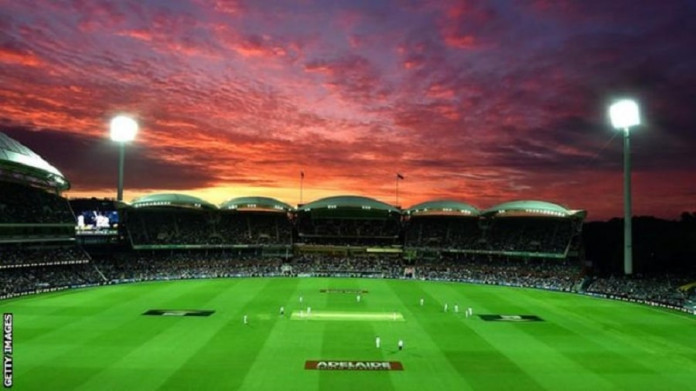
x=90 y=163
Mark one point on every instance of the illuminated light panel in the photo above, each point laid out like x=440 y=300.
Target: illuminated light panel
x=624 y=114
x=123 y=129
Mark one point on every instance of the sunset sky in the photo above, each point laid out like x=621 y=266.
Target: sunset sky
x=477 y=101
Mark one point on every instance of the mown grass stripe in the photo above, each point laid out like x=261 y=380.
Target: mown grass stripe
x=481 y=364
x=93 y=343
x=350 y=340
x=224 y=360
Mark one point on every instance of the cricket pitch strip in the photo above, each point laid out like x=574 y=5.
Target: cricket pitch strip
x=343 y=315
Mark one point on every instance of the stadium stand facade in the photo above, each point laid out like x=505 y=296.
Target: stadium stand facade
x=348 y=220
x=38 y=250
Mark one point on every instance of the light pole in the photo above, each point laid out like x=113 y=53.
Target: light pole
x=624 y=114
x=123 y=129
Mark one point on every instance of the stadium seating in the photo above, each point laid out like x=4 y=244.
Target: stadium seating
x=28 y=205
x=176 y=226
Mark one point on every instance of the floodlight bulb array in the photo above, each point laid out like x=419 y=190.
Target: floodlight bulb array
x=624 y=114
x=123 y=128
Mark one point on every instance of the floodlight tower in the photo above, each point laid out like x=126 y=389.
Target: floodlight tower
x=624 y=114
x=123 y=130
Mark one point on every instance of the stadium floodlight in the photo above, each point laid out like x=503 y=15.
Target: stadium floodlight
x=123 y=129
x=624 y=114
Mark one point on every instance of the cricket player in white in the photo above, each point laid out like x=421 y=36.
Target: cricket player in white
x=421 y=301
x=445 y=307
x=456 y=308
x=357 y=298
x=378 y=342
x=401 y=344
x=246 y=321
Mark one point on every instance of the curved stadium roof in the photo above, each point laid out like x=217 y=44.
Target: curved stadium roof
x=18 y=161
x=171 y=199
x=532 y=207
x=348 y=201
x=250 y=203
x=443 y=207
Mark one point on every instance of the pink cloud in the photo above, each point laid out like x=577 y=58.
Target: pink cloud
x=231 y=7
x=95 y=15
x=464 y=24
x=440 y=91
x=139 y=34
x=10 y=55
x=258 y=46
x=460 y=41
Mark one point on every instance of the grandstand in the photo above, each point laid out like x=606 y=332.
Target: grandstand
x=37 y=226
x=257 y=220
x=242 y=226
x=31 y=208
x=31 y=197
x=531 y=228
x=348 y=221
x=442 y=224
x=169 y=221
x=20 y=164
x=513 y=229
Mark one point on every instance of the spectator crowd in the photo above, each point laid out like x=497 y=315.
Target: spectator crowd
x=202 y=227
x=512 y=234
x=148 y=265
x=27 y=205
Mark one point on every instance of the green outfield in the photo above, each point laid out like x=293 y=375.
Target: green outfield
x=100 y=339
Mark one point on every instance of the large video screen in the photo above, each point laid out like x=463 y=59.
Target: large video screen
x=95 y=217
